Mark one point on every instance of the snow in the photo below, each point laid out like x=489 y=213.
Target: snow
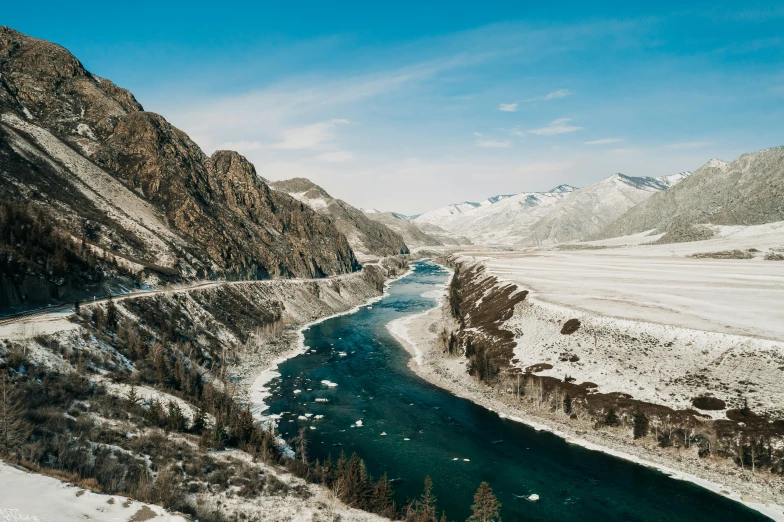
x=38 y=498
x=658 y=283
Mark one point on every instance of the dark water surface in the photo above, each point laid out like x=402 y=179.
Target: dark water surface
x=376 y=387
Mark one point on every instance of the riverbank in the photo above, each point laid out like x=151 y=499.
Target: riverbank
x=419 y=335
x=256 y=385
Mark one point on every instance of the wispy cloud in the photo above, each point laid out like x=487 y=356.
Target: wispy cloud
x=560 y=93
x=558 y=126
x=493 y=144
x=508 y=107
x=314 y=136
x=339 y=156
x=604 y=141
x=688 y=145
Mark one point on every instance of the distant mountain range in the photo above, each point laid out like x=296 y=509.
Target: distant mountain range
x=562 y=214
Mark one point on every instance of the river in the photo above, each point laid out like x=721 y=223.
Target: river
x=354 y=363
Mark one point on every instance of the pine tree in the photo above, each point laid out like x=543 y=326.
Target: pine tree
x=567 y=404
x=302 y=446
x=640 y=424
x=132 y=396
x=426 y=505
x=13 y=429
x=486 y=505
x=175 y=419
x=242 y=426
x=383 y=498
x=199 y=421
x=611 y=418
x=155 y=414
x=219 y=432
x=111 y=315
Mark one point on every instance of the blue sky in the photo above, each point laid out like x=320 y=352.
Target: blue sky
x=403 y=106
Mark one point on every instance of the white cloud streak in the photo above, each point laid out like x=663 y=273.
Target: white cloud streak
x=558 y=126
x=560 y=93
x=508 y=107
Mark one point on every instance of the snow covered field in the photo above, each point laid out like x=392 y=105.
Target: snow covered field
x=660 y=284
x=37 y=498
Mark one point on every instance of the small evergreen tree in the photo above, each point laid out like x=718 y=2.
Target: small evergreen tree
x=611 y=418
x=199 y=421
x=219 y=436
x=425 y=507
x=175 y=418
x=383 y=498
x=111 y=315
x=486 y=506
x=132 y=396
x=640 y=424
x=567 y=404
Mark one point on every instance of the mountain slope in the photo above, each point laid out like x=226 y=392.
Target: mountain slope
x=416 y=234
x=83 y=157
x=588 y=210
x=366 y=237
x=747 y=191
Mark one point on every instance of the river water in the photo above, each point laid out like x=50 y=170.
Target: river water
x=360 y=369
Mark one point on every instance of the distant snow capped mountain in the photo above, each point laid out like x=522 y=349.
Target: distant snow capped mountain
x=562 y=214
x=496 y=220
x=370 y=210
x=674 y=178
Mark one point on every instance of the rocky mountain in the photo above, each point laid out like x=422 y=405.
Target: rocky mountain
x=367 y=238
x=747 y=191
x=128 y=197
x=417 y=234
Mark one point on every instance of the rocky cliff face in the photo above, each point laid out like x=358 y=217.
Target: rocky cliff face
x=84 y=156
x=366 y=237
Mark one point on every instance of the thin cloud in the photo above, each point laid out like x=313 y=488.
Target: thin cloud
x=493 y=144
x=560 y=93
x=314 y=136
x=508 y=107
x=558 y=126
x=604 y=141
x=339 y=156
